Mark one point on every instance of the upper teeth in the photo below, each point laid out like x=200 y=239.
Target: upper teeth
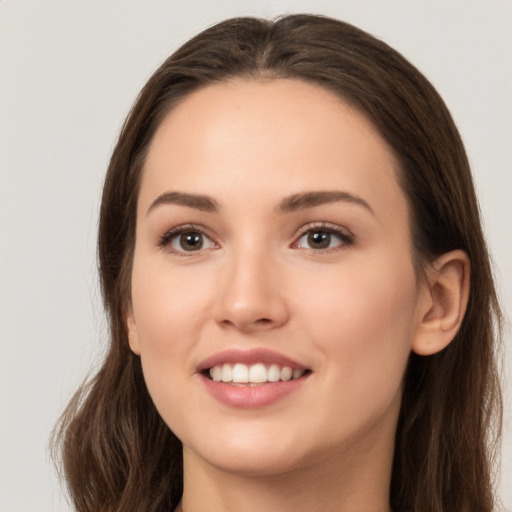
x=256 y=373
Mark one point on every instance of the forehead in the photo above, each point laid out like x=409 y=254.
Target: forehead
x=276 y=137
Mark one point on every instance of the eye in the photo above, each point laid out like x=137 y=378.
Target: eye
x=185 y=239
x=322 y=238
x=191 y=241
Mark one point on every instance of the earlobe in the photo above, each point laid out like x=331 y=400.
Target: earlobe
x=442 y=311
x=133 y=337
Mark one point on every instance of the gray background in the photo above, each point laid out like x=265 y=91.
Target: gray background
x=69 y=72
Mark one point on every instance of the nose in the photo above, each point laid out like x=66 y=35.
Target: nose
x=251 y=295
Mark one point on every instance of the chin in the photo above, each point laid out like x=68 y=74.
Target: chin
x=255 y=452
x=253 y=463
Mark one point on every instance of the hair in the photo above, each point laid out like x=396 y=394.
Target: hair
x=116 y=451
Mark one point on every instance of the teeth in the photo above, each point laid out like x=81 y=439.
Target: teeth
x=286 y=373
x=216 y=373
x=240 y=373
x=257 y=373
x=273 y=373
x=227 y=373
x=254 y=374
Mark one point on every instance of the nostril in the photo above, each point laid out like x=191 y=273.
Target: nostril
x=247 y=326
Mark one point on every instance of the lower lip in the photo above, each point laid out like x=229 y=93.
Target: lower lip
x=247 y=397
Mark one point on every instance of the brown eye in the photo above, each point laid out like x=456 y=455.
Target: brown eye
x=191 y=241
x=319 y=239
x=188 y=241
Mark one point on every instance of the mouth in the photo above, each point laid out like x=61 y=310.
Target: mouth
x=252 y=378
x=240 y=374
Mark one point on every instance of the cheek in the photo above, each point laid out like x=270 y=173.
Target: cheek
x=364 y=326
x=168 y=307
x=169 y=310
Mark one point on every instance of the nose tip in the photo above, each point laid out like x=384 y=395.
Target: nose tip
x=246 y=319
x=251 y=300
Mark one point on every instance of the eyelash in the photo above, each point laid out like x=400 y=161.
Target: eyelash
x=167 y=238
x=346 y=238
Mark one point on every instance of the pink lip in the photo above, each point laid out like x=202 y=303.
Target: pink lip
x=252 y=356
x=246 y=396
x=250 y=396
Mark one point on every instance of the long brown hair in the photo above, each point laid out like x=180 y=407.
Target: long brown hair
x=117 y=453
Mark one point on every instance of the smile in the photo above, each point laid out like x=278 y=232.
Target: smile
x=251 y=378
x=255 y=374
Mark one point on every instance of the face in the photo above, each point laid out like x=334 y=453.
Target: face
x=274 y=299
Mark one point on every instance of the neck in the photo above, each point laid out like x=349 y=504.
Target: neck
x=348 y=481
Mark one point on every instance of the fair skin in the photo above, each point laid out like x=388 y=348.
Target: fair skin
x=254 y=274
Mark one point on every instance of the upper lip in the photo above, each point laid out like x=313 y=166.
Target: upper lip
x=248 y=357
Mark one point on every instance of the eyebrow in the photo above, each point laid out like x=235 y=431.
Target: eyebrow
x=198 y=202
x=306 y=200
x=295 y=202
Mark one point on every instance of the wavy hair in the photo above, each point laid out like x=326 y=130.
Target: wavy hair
x=117 y=453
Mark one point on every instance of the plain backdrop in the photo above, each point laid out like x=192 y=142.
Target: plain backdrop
x=69 y=72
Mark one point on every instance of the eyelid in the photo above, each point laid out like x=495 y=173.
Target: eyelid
x=345 y=234
x=165 y=241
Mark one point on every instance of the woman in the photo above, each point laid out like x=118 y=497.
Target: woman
x=299 y=292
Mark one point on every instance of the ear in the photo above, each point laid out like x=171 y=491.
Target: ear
x=133 y=337
x=443 y=303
